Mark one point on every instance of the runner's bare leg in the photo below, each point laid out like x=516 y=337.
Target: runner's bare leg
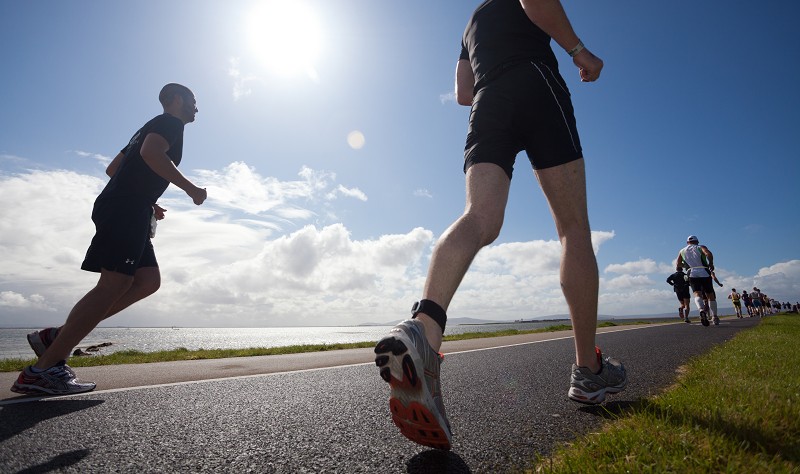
x=487 y=194
x=565 y=189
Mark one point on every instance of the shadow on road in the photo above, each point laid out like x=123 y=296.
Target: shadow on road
x=437 y=462
x=615 y=409
x=58 y=463
x=15 y=419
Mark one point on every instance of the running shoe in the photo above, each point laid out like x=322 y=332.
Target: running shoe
x=587 y=387
x=41 y=340
x=703 y=318
x=57 y=380
x=411 y=368
x=688 y=320
x=716 y=321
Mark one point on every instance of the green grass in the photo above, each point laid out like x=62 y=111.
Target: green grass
x=138 y=357
x=736 y=409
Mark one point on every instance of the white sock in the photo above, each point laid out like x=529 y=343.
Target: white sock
x=699 y=302
x=713 y=306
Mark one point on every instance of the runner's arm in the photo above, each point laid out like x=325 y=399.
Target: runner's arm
x=114 y=165
x=154 y=153
x=549 y=15
x=709 y=255
x=465 y=82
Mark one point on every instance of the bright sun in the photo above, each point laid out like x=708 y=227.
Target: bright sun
x=286 y=36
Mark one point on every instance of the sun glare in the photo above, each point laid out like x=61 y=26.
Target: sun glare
x=286 y=36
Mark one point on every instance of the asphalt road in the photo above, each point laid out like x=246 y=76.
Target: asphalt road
x=506 y=405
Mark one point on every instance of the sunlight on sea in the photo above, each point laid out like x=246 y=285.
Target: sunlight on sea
x=13 y=343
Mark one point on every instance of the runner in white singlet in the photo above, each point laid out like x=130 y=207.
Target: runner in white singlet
x=700 y=262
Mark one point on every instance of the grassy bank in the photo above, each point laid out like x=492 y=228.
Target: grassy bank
x=734 y=410
x=138 y=357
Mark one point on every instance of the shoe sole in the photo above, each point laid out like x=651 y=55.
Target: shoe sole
x=410 y=401
x=37 y=390
x=594 y=398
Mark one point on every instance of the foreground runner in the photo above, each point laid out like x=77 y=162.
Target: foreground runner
x=121 y=250
x=509 y=75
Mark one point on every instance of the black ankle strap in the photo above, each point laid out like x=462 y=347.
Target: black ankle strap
x=432 y=309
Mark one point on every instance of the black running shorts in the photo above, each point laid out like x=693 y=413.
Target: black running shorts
x=683 y=294
x=527 y=107
x=122 y=237
x=703 y=284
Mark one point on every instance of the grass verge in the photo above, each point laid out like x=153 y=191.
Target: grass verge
x=138 y=357
x=736 y=409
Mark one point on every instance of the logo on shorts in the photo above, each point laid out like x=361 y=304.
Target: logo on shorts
x=129 y=261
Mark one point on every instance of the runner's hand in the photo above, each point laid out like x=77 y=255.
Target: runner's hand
x=198 y=195
x=158 y=211
x=588 y=65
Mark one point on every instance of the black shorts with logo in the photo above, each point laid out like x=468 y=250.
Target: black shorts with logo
x=526 y=107
x=122 y=237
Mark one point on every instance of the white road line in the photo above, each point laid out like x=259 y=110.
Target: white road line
x=237 y=377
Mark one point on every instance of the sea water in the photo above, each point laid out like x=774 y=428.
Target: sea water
x=13 y=343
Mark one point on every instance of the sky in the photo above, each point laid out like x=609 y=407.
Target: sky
x=331 y=147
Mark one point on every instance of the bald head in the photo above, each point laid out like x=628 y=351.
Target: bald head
x=168 y=93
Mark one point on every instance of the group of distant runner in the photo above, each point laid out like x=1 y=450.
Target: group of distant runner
x=698 y=261
x=756 y=303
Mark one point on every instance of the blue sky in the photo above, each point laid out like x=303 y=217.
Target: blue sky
x=690 y=130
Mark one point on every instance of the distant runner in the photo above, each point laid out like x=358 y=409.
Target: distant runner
x=680 y=284
x=700 y=262
x=736 y=299
x=755 y=297
x=748 y=304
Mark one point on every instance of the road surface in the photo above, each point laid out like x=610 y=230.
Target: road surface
x=328 y=412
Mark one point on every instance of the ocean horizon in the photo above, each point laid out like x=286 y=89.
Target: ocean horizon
x=14 y=344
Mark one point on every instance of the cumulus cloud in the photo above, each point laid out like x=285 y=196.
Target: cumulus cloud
x=780 y=281
x=252 y=256
x=11 y=299
x=628 y=283
x=645 y=265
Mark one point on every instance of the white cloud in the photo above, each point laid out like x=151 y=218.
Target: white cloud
x=448 y=97
x=250 y=257
x=12 y=299
x=645 y=265
x=628 y=283
x=240 y=187
x=240 y=81
x=780 y=281
x=102 y=159
x=422 y=193
x=348 y=192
